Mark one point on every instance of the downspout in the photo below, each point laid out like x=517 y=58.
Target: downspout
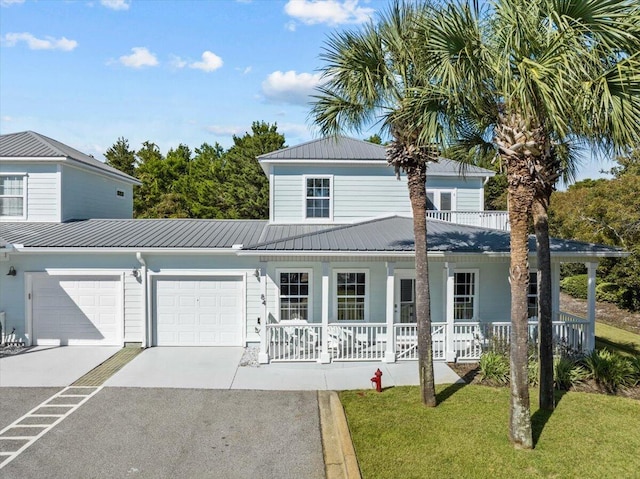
x=146 y=339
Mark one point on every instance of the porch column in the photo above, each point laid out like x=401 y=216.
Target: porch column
x=591 y=305
x=325 y=357
x=263 y=355
x=450 y=352
x=390 y=353
x=555 y=291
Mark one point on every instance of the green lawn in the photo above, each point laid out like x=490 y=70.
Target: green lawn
x=588 y=436
x=616 y=339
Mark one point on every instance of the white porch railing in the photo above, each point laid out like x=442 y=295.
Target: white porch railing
x=301 y=341
x=498 y=220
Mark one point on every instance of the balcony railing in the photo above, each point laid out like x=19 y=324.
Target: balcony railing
x=498 y=220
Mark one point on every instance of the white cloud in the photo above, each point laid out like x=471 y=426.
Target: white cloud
x=177 y=62
x=210 y=62
x=291 y=26
x=247 y=70
x=116 y=4
x=331 y=12
x=294 y=130
x=141 y=57
x=225 y=130
x=48 y=43
x=6 y=118
x=8 y=3
x=290 y=87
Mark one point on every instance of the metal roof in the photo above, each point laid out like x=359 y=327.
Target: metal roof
x=395 y=234
x=128 y=233
x=26 y=145
x=342 y=148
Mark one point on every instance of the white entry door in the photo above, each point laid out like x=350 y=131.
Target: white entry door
x=76 y=310
x=198 y=311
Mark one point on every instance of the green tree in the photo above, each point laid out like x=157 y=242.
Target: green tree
x=369 y=76
x=375 y=139
x=150 y=173
x=512 y=74
x=120 y=157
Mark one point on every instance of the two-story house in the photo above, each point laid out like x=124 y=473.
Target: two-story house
x=330 y=275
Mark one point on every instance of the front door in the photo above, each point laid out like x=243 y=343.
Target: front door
x=405 y=298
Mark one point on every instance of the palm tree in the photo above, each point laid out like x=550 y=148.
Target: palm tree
x=368 y=77
x=513 y=75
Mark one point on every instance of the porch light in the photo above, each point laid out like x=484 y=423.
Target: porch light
x=12 y=271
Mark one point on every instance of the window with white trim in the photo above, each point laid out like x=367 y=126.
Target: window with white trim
x=12 y=196
x=317 y=197
x=465 y=295
x=351 y=295
x=532 y=295
x=439 y=200
x=295 y=299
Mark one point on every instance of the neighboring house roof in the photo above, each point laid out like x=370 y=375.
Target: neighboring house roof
x=391 y=235
x=344 y=149
x=29 y=145
x=127 y=233
x=395 y=234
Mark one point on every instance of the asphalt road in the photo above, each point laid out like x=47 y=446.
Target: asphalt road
x=16 y=402
x=178 y=433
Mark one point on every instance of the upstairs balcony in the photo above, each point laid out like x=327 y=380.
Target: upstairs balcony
x=498 y=220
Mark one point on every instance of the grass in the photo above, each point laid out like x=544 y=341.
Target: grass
x=616 y=339
x=587 y=436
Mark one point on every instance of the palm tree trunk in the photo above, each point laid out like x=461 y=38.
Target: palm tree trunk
x=545 y=320
x=520 y=200
x=416 y=181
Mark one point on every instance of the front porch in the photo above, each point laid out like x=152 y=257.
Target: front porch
x=466 y=341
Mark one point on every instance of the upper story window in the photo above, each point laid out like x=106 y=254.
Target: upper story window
x=295 y=299
x=439 y=200
x=532 y=295
x=465 y=295
x=12 y=196
x=351 y=295
x=318 y=197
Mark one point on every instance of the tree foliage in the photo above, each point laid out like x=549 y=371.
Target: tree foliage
x=120 y=157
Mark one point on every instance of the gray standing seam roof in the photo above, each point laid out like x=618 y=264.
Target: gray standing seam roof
x=34 y=145
x=350 y=149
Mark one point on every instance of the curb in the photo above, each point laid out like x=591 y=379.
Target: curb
x=339 y=455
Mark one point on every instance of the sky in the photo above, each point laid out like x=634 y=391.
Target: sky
x=86 y=72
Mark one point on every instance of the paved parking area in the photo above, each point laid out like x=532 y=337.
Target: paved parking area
x=152 y=433
x=16 y=402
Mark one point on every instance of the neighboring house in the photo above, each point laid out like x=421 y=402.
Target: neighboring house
x=330 y=275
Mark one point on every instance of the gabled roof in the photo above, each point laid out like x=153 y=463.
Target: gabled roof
x=27 y=145
x=395 y=234
x=344 y=149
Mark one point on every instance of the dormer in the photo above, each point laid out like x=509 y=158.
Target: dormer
x=341 y=180
x=43 y=180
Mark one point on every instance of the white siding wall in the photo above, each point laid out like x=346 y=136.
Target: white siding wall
x=362 y=192
x=88 y=195
x=133 y=309
x=42 y=189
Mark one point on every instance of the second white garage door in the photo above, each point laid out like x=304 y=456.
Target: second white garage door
x=198 y=311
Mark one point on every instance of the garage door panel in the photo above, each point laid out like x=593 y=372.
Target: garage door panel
x=199 y=312
x=76 y=311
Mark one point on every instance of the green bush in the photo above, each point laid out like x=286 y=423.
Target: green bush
x=568 y=373
x=610 y=370
x=494 y=367
x=533 y=372
x=575 y=286
x=635 y=364
x=609 y=292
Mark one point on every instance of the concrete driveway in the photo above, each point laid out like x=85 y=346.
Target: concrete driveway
x=44 y=366
x=181 y=433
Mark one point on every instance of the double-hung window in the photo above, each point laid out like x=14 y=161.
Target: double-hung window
x=351 y=295
x=295 y=294
x=318 y=197
x=440 y=200
x=465 y=295
x=12 y=196
x=532 y=295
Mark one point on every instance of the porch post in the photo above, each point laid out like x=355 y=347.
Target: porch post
x=450 y=352
x=390 y=353
x=555 y=291
x=325 y=357
x=591 y=305
x=263 y=355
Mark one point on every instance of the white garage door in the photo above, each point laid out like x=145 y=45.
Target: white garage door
x=198 y=312
x=76 y=310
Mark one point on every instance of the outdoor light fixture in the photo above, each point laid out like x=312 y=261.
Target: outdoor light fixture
x=263 y=299
x=12 y=271
x=256 y=273
x=135 y=273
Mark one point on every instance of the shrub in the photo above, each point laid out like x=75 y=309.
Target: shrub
x=610 y=370
x=494 y=367
x=533 y=371
x=568 y=373
x=609 y=292
x=575 y=286
x=635 y=364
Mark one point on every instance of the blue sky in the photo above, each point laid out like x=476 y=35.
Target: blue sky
x=170 y=72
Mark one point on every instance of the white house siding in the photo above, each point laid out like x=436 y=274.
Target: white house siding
x=133 y=308
x=42 y=189
x=89 y=195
